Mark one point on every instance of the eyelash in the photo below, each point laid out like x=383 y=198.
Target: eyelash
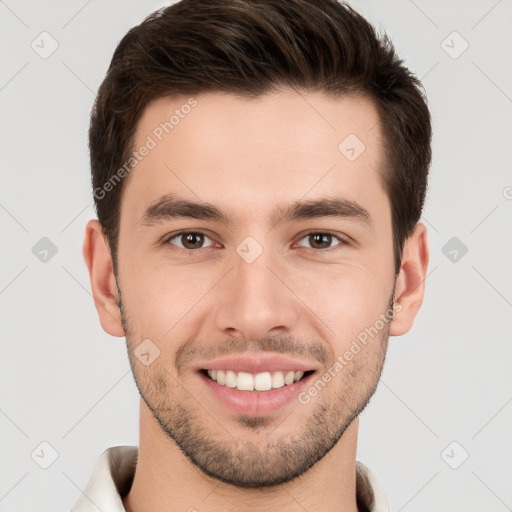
x=190 y=251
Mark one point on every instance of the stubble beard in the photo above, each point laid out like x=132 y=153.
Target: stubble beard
x=259 y=460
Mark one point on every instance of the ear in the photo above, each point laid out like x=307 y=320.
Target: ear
x=97 y=257
x=410 y=283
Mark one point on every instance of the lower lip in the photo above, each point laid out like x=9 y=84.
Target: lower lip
x=255 y=403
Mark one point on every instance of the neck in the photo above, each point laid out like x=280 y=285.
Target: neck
x=166 y=480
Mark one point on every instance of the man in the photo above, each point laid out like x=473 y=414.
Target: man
x=259 y=170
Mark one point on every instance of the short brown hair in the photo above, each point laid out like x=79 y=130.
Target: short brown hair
x=249 y=48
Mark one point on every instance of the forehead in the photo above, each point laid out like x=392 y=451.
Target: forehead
x=247 y=154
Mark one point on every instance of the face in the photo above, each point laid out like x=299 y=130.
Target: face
x=255 y=251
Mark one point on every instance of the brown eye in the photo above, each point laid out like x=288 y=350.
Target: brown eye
x=192 y=240
x=319 y=241
x=188 y=240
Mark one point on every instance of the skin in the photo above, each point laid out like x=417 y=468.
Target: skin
x=245 y=156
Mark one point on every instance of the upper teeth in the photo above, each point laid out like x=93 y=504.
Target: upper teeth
x=259 y=382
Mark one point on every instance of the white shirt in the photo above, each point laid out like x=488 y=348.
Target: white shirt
x=115 y=469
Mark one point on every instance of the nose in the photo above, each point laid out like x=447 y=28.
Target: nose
x=256 y=301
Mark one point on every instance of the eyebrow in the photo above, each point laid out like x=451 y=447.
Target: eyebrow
x=169 y=207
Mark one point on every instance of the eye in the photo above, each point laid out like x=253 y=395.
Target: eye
x=188 y=240
x=194 y=240
x=320 y=240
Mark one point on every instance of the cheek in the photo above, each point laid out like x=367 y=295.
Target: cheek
x=347 y=300
x=161 y=299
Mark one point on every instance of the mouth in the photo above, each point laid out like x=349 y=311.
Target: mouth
x=255 y=390
x=263 y=381
x=255 y=385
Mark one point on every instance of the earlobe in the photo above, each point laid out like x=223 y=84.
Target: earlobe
x=104 y=290
x=410 y=284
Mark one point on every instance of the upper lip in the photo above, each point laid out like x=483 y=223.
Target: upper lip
x=256 y=364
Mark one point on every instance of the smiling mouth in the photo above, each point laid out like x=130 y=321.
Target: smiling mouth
x=263 y=381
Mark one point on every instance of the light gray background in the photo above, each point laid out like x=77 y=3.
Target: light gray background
x=65 y=382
